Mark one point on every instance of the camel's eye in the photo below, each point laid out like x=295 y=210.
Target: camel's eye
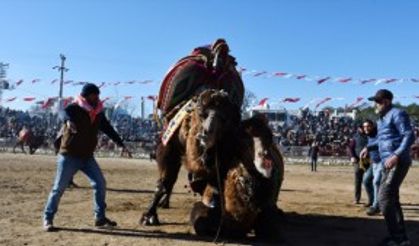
x=203 y=114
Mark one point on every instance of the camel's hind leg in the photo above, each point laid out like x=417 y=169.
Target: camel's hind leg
x=169 y=162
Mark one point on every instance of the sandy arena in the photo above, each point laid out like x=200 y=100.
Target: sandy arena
x=318 y=207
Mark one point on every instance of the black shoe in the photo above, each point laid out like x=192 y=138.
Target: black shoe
x=105 y=222
x=371 y=211
x=48 y=226
x=367 y=205
x=391 y=241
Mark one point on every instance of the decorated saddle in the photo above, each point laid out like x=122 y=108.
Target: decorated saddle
x=209 y=67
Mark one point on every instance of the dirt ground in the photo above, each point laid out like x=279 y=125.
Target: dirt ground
x=318 y=207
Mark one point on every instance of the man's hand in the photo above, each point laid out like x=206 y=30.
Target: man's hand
x=72 y=127
x=391 y=162
x=126 y=152
x=353 y=160
x=363 y=154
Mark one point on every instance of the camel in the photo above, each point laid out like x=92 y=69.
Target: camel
x=206 y=132
x=251 y=188
x=26 y=137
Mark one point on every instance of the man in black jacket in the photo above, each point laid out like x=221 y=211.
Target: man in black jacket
x=82 y=121
x=358 y=142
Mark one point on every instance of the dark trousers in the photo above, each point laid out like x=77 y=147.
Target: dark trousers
x=313 y=164
x=359 y=173
x=388 y=199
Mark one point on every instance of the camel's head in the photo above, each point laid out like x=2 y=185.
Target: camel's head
x=218 y=116
x=258 y=128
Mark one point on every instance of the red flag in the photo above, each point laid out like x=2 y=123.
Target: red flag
x=280 y=74
x=367 y=81
x=151 y=97
x=323 y=101
x=388 y=81
x=145 y=81
x=117 y=83
x=321 y=81
x=344 y=80
x=131 y=82
x=291 y=99
x=127 y=97
x=28 y=99
x=242 y=69
x=11 y=99
x=300 y=76
x=68 y=82
x=54 y=81
x=48 y=103
x=19 y=82
x=263 y=101
x=35 y=81
x=415 y=80
x=259 y=74
x=357 y=101
x=67 y=101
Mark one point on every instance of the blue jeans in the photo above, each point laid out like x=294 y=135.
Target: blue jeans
x=371 y=180
x=67 y=166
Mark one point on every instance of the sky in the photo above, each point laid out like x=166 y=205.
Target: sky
x=111 y=41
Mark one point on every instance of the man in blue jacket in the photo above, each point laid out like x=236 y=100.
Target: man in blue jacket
x=395 y=137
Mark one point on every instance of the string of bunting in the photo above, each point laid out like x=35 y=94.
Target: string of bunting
x=19 y=82
x=323 y=79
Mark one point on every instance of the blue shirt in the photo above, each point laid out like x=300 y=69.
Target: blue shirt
x=395 y=135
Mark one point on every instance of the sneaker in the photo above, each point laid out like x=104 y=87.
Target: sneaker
x=105 y=222
x=371 y=211
x=48 y=226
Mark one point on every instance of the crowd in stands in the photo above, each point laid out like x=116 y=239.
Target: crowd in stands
x=47 y=124
x=331 y=134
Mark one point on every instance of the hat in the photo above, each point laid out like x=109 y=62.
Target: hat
x=381 y=95
x=88 y=89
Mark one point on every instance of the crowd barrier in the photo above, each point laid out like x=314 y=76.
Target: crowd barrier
x=142 y=150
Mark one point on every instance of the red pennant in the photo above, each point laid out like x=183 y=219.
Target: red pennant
x=259 y=74
x=280 y=74
x=321 y=81
x=344 y=80
x=291 y=99
x=28 y=99
x=48 y=103
x=323 y=101
x=263 y=101
x=388 y=81
x=301 y=77
x=11 y=99
x=365 y=81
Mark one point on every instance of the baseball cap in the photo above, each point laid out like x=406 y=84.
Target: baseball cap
x=381 y=95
